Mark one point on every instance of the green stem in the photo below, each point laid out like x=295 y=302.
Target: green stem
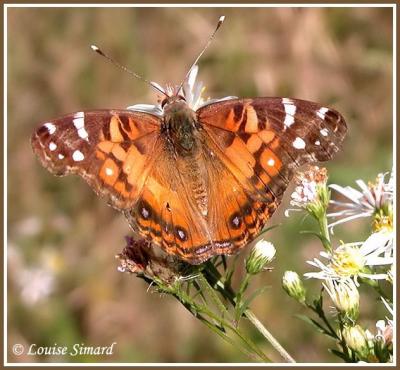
x=343 y=343
x=212 y=293
x=323 y=225
x=267 y=335
x=229 y=294
x=196 y=308
x=322 y=316
x=243 y=287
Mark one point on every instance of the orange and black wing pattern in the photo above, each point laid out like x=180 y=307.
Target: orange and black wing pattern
x=112 y=150
x=259 y=143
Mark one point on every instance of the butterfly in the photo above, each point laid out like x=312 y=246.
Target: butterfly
x=197 y=178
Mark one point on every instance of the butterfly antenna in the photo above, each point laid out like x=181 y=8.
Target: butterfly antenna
x=154 y=85
x=210 y=39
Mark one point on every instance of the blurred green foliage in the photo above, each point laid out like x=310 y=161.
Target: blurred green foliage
x=63 y=284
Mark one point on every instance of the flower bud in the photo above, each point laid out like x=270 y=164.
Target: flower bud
x=293 y=286
x=356 y=339
x=262 y=254
x=345 y=297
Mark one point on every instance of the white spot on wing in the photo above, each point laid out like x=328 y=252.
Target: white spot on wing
x=61 y=156
x=78 y=156
x=321 y=112
x=324 y=132
x=52 y=146
x=79 y=123
x=50 y=127
x=287 y=101
x=181 y=234
x=83 y=134
x=317 y=142
x=145 y=213
x=270 y=162
x=109 y=171
x=299 y=143
x=290 y=110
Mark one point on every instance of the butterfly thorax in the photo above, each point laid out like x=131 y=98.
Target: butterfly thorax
x=181 y=125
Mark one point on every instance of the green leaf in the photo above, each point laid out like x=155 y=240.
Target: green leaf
x=243 y=306
x=314 y=323
x=318 y=303
x=199 y=292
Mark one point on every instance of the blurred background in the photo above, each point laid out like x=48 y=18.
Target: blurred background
x=63 y=283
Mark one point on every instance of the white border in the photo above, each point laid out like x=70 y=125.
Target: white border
x=115 y=364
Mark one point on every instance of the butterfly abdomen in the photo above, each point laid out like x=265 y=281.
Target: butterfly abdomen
x=193 y=171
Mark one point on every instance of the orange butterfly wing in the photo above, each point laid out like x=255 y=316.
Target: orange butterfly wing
x=259 y=144
x=194 y=207
x=112 y=150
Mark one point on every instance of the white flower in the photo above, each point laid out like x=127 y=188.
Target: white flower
x=191 y=91
x=345 y=296
x=261 y=254
x=35 y=284
x=364 y=203
x=384 y=330
x=310 y=192
x=350 y=260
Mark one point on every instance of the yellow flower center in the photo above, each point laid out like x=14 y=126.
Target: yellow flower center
x=347 y=261
x=383 y=223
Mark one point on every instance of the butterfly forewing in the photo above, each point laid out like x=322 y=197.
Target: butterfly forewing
x=306 y=130
x=110 y=149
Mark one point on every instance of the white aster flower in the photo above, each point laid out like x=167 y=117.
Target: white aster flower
x=350 y=260
x=191 y=91
x=345 y=296
x=35 y=284
x=384 y=330
x=308 y=193
x=364 y=202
